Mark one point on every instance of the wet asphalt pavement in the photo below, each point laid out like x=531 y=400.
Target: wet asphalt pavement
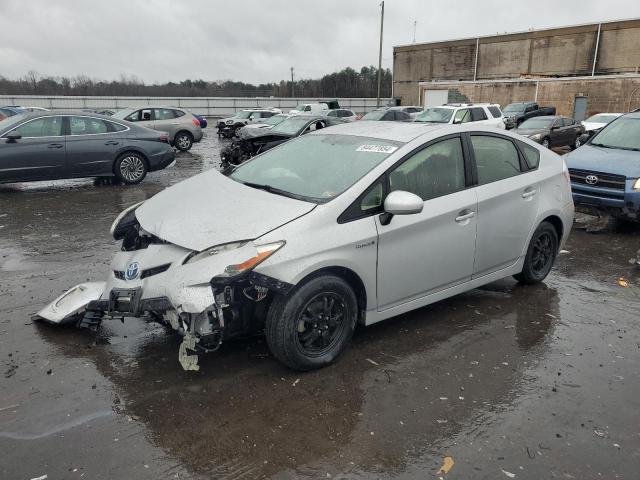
x=537 y=382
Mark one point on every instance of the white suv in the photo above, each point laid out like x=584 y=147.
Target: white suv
x=455 y=113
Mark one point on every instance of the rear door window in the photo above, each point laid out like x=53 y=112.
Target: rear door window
x=164 y=113
x=41 y=127
x=496 y=158
x=434 y=171
x=495 y=111
x=87 y=126
x=477 y=114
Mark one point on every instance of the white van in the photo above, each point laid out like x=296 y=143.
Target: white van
x=310 y=109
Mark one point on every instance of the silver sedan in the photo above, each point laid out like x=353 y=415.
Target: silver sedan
x=348 y=225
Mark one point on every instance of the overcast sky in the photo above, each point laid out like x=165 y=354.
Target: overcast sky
x=253 y=41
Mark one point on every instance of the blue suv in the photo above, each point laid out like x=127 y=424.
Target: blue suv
x=605 y=172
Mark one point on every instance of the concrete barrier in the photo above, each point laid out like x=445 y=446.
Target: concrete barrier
x=206 y=106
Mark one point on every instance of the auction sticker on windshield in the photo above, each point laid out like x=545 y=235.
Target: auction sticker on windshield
x=377 y=148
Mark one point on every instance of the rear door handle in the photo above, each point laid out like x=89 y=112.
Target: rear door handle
x=464 y=215
x=111 y=142
x=56 y=145
x=529 y=192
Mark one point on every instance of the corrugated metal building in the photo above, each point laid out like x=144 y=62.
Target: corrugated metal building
x=581 y=69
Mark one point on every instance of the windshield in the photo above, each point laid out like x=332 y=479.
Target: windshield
x=514 y=108
x=10 y=121
x=275 y=120
x=315 y=168
x=243 y=114
x=536 y=123
x=435 y=115
x=602 y=118
x=300 y=108
x=291 y=125
x=375 y=115
x=122 y=114
x=624 y=133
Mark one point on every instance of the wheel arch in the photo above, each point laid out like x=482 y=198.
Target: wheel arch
x=126 y=150
x=557 y=224
x=349 y=276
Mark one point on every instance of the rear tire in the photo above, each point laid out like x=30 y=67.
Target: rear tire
x=130 y=168
x=541 y=254
x=308 y=328
x=183 y=141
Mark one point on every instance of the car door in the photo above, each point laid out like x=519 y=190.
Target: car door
x=166 y=120
x=508 y=199
x=92 y=145
x=143 y=117
x=427 y=252
x=39 y=153
x=571 y=130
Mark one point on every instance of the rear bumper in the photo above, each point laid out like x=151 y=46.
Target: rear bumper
x=161 y=160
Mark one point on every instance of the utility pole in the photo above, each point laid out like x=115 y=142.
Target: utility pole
x=415 y=25
x=380 y=55
x=293 y=88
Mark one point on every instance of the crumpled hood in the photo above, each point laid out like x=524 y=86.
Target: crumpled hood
x=210 y=209
x=250 y=133
x=605 y=160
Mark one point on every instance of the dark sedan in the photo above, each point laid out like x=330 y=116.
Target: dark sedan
x=257 y=140
x=387 y=115
x=51 y=146
x=552 y=131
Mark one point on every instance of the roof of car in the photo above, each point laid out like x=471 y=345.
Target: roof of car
x=399 y=132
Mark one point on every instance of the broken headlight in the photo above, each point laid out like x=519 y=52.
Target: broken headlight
x=123 y=221
x=262 y=253
x=209 y=252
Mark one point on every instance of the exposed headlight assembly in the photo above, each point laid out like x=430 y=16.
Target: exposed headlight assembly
x=121 y=223
x=229 y=122
x=209 y=252
x=537 y=136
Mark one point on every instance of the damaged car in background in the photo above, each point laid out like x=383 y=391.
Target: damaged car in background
x=251 y=142
x=347 y=225
x=228 y=127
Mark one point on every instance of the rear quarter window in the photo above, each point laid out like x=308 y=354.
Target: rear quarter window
x=531 y=155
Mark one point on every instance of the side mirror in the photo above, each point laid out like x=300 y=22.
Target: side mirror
x=584 y=138
x=12 y=137
x=401 y=203
x=457 y=121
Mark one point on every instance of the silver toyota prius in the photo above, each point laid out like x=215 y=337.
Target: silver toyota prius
x=348 y=225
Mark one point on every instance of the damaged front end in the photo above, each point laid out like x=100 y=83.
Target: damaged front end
x=207 y=296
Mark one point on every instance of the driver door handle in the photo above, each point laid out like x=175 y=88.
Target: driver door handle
x=529 y=192
x=56 y=145
x=464 y=215
x=111 y=142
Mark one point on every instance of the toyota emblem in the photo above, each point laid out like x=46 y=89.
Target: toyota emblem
x=591 y=179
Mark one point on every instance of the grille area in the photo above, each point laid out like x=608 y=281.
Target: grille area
x=605 y=180
x=150 y=272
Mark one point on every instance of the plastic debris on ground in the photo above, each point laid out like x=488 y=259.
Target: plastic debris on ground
x=447 y=464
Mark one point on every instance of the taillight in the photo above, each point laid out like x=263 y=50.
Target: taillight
x=163 y=138
x=196 y=122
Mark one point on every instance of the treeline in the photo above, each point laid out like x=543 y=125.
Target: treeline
x=345 y=83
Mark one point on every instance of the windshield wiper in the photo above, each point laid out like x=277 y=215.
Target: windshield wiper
x=632 y=149
x=270 y=189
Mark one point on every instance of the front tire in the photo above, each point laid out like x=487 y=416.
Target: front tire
x=130 y=168
x=308 y=328
x=541 y=254
x=183 y=141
